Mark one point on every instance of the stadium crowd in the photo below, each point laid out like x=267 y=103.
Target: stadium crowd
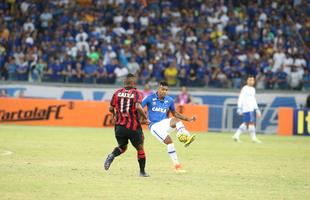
x=193 y=43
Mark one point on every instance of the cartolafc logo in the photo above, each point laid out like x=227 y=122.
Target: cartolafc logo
x=35 y=114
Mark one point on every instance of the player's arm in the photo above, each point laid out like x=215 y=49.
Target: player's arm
x=111 y=110
x=240 y=101
x=144 y=101
x=142 y=113
x=112 y=105
x=183 y=117
x=258 y=113
x=139 y=107
x=179 y=115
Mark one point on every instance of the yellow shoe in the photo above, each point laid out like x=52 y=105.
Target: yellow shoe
x=190 y=139
x=178 y=168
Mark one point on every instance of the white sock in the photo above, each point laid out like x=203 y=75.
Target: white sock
x=172 y=153
x=240 y=130
x=180 y=126
x=252 y=132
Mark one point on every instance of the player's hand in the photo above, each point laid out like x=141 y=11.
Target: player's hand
x=239 y=111
x=192 y=119
x=258 y=114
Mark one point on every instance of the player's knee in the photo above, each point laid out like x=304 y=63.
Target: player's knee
x=251 y=127
x=123 y=148
x=168 y=140
x=140 y=154
x=173 y=122
x=139 y=147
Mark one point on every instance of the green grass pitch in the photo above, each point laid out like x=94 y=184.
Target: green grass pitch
x=67 y=163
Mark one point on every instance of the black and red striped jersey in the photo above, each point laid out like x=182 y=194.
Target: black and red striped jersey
x=124 y=102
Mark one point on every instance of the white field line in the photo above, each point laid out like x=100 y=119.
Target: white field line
x=6 y=153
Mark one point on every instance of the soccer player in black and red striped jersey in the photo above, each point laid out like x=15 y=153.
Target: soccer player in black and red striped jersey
x=126 y=108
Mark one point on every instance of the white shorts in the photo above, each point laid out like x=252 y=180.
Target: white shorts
x=162 y=129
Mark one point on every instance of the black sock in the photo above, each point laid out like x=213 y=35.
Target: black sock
x=116 y=152
x=142 y=164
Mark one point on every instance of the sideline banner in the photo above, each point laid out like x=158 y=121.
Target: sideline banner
x=301 y=122
x=52 y=112
x=222 y=104
x=47 y=112
x=294 y=121
x=200 y=111
x=285 y=121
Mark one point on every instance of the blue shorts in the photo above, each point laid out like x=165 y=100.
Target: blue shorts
x=249 y=117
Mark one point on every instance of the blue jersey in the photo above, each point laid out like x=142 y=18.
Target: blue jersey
x=158 y=109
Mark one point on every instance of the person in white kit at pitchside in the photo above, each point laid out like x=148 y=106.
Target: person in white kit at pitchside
x=247 y=108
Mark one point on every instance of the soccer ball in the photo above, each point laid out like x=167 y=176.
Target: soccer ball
x=182 y=137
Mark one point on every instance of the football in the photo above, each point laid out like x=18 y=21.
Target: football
x=182 y=137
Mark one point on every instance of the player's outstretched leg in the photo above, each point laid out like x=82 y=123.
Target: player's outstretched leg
x=116 y=152
x=173 y=155
x=182 y=132
x=190 y=139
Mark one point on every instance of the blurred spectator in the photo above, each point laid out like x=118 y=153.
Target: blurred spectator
x=22 y=70
x=219 y=79
x=133 y=66
x=306 y=79
x=90 y=71
x=101 y=73
x=269 y=78
x=21 y=94
x=36 y=73
x=192 y=80
x=93 y=55
x=147 y=90
x=3 y=93
x=75 y=75
x=144 y=74
x=281 y=79
x=182 y=77
x=295 y=78
x=11 y=68
x=5 y=33
x=235 y=77
x=120 y=73
x=260 y=80
x=278 y=59
x=184 y=97
x=171 y=74
x=55 y=71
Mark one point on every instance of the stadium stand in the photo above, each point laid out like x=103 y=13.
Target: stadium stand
x=192 y=43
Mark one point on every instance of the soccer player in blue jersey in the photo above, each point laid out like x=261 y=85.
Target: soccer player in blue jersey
x=158 y=105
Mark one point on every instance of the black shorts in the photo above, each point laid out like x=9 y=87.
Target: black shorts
x=124 y=134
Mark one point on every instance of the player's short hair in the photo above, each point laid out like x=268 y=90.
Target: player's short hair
x=130 y=80
x=250 y=76
x=163 y=83
x=130 y=75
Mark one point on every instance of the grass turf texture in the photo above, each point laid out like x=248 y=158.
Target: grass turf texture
x=67 y=163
